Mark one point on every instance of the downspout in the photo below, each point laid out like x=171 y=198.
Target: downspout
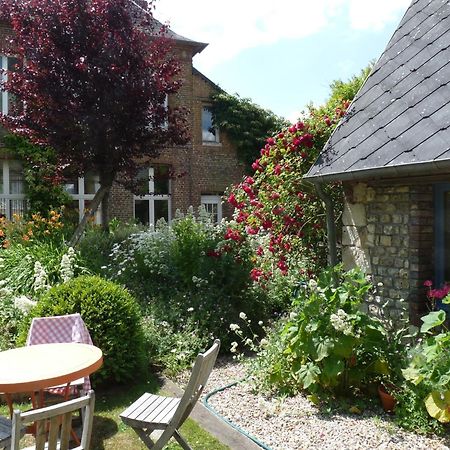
x=331 y=224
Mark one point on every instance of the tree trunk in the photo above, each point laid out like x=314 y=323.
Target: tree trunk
x=98 y=197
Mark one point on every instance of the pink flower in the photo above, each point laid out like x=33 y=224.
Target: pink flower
x=428 y=283
x=270 y=141
x=249 y=180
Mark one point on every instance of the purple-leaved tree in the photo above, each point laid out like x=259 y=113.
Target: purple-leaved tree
x=91 y=83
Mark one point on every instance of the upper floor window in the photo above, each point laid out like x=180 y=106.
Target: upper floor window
x=210 y=133
x=12 y=189
x=152 y=202
x=82 y=190
x=6 y=63
x=213 y=206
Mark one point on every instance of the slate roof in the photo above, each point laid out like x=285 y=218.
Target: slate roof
x=399 y=123
x=139 y=11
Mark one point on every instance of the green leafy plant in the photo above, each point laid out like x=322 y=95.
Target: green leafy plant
x=43 y=191
x=188 y=271
x=245 y=123
x=112 y=317
x=31 y=269
x=327 y=343
x=428 y=365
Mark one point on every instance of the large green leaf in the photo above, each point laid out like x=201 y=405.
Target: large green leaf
x=323 y=349
x=412 y=374
x=431 y=320
x=344 y=346
x=308 y=374
x=438 y=405
x=332 y=369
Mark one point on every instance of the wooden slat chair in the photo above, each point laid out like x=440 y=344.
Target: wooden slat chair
x=54 y=424
x=5 y=432
x=154 y=412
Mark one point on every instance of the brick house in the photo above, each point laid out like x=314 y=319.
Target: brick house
x=392 y=153
x=202 y=169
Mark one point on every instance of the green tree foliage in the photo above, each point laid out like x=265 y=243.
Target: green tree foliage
x=277 y=203
x=43 y=190
x=246 y=124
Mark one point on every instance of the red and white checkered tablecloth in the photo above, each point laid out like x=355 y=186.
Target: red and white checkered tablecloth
x=60 y=329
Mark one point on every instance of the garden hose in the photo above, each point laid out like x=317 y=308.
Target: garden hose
x=240 y=430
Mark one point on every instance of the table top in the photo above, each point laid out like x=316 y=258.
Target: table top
x=35 y=367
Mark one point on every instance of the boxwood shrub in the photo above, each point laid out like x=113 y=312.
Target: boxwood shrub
x=112 y=317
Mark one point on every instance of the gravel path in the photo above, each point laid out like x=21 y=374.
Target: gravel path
x=295 y=424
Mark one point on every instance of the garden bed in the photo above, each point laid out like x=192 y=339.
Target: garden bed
x=295 y=424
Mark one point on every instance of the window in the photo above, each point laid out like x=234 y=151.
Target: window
x=6 y=63
x=210 y=133
x=12 y=189
x=82 y=190
x=213 y=206
x=153 y=199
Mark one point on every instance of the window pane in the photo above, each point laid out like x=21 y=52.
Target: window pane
x=90 y=181
x=18 y=207
x=3 y=207
x=209 y=132
x=142 y=179
x=161 y=210
x=142 y=211
x=212 y=210
x=16 y=184
x=71 y=186
x=161 y=180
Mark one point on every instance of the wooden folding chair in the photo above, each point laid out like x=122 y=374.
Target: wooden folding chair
x=5 y=432
x=54 y=424
x=154 y=412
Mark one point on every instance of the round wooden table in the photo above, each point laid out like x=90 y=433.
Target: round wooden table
x=36 y=367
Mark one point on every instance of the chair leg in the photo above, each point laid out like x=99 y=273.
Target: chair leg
x=180 y=439
x=144 y=437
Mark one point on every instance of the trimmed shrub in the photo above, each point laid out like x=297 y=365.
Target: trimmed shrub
x=112 y=317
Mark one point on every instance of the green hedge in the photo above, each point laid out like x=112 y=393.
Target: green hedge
x=112 y=317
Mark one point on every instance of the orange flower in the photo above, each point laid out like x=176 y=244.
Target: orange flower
x=25 y=237
x=2 y=234
x=5 y=244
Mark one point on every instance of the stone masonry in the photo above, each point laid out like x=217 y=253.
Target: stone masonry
x=388 y=233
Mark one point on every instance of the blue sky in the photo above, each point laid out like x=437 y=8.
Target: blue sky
x=283 y=53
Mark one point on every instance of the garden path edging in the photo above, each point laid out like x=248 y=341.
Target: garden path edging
x=212 y=424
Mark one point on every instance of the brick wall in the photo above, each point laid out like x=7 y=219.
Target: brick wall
x=388 y=232
x=206 y=169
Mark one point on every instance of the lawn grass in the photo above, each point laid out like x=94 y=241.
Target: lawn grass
x=109 y=433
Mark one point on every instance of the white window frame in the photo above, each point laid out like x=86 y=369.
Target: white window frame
x=81 y=198
x=213 y=200
x=151 y=197
x=6 y=195
x=216 y=135
x=4 y=77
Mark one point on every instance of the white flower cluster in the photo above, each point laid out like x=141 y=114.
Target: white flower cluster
x=24 y=303
x=40 y=278
x=341 y=322
x=233 y=347
x=5 y=291
x=67 y=265
x=234 y=327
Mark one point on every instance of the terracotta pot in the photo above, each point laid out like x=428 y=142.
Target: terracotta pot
x=388 y=401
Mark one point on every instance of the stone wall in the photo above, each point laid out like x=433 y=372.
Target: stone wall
x=388 y=232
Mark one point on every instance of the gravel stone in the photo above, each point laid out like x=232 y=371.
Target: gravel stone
x=296 y=424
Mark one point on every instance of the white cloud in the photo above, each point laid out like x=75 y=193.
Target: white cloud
x=235 y=25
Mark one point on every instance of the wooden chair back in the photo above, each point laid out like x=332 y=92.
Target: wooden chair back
x=201 y=371
x=54 y=424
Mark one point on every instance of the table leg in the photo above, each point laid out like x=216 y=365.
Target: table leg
x=10 y=404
